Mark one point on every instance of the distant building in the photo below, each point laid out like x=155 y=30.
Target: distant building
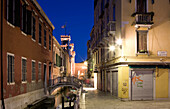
x=69 y=47
x=27 y=52
x=81 y=71
x=62 y=65
x=129 y=48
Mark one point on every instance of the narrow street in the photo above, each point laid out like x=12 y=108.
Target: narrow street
x=95 y=99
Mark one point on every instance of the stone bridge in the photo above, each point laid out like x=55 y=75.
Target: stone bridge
x=65 y=81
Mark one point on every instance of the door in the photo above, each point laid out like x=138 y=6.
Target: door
x=142 y=6
x=115 y=83
x=142 y=85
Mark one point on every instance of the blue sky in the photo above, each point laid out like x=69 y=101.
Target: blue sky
x=78 y=14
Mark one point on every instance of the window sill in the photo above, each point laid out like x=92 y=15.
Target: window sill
x=24 y=82
x=45 y=47
x=23 y=33
x=33 y=40
x=10 y=24
x=142 y=54
x=33 y=81
x=11 y=83
x=39 y=80
x=39 y=44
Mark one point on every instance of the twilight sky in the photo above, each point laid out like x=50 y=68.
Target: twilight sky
x=78 y=14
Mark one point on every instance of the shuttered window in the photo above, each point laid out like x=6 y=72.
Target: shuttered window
x=10 y=68
x=24 y=70
x=142 y=41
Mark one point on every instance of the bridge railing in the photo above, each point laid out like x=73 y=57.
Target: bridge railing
x=65 y=80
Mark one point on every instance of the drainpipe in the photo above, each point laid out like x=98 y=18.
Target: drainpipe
x=2 y=93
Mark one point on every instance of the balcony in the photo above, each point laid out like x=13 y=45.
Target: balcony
x=145 y=19
x=111 y=28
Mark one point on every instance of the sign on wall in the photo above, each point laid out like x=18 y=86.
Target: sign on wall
x=162 y=53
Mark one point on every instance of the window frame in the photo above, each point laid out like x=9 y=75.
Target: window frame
x=137 y=51
x=39 y=33
x=39 y=71
x=13 y=68
x=23 y=58
x=33 y=61
x=136 y=5
x=45 y=38
x=50 y=42
x=33 y=28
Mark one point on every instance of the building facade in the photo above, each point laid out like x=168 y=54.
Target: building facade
x=81 y=70
x=62 y=65
x=130 y=48
x=69 y=47
x=27 y=52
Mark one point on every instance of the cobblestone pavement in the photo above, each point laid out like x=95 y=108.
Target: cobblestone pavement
x=95 y=99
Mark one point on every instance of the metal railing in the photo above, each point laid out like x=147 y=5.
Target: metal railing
x=144 y=18
x=66 y=80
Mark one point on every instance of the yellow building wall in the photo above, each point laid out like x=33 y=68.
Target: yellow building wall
x=162 y=83
x=123 y=82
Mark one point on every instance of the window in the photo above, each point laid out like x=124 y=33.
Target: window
x=33 y=28
x=142 y=41
x=24 y=69
x=45 y=38
x=49 y=42
x=40 y=33
x=10 y=68
x=10 y=11
x=33 y=71
x=114 y=13
x=24 y=19
x=39 y=71
x=141 y=6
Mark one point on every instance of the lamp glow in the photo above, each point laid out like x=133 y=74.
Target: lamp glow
x=112 y=48
x=119 y=42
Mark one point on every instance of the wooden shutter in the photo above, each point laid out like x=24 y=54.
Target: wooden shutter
x=17 y=13
x=29 y=21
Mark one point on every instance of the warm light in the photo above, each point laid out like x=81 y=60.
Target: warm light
x=112 y=48
x=119 y=42
x=85 y=62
